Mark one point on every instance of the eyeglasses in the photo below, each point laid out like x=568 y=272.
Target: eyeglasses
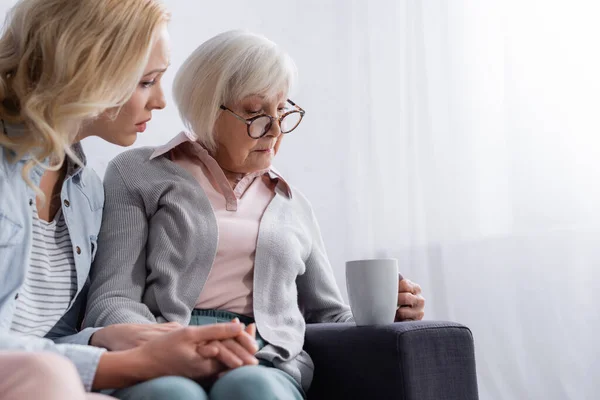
x=260 y=125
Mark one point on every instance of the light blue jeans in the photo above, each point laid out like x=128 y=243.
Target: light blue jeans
x=256 y=382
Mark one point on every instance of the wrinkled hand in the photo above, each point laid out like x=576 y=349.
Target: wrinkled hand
x=128 y=336
x=239 y=351
x=411 y=304
x=188 y=351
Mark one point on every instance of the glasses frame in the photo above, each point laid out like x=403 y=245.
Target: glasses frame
x=249 y=121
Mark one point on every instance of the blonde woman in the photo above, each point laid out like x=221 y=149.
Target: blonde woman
x=204 y=229
x=70 y=69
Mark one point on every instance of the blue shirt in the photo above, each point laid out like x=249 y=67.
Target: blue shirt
x=82 y=198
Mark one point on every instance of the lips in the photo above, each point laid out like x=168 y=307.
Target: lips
x=141 y=127
x=144 y=122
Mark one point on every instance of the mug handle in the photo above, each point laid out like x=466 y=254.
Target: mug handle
x=400 y=277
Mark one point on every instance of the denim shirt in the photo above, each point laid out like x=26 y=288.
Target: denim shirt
x=82 y=198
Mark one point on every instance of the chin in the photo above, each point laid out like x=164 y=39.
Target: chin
x=262 y=164
x=125 y=140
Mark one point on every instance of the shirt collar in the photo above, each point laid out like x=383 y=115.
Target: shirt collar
x=202 y=153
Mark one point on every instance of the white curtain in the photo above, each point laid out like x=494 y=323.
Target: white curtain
x=473 y=156
x=460 y=136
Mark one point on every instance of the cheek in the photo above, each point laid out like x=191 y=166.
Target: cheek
x=126 y=118
x=235 y=140
x=240 y=149
x=134 y=108
x=278 y=143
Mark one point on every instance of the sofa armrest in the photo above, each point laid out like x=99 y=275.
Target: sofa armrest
x=423 y=360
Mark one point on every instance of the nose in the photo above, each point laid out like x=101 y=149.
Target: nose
x=275 y=129
x=157 y=100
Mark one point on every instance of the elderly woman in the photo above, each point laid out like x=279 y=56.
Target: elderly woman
x=204 y=230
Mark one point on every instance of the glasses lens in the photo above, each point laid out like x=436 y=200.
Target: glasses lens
x=290 y=122
x=260 y=126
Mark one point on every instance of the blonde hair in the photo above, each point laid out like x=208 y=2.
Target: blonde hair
x=225 y=69
x=65 y=61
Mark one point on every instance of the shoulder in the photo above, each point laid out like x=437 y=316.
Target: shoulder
x=90 y=177
x=139 y=172
x=299 y=197
x=132 y=158
x=137 y=164
x=300 y=204
x=92 y=186
x=295 y=198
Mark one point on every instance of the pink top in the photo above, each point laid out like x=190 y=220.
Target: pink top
x=238 y=212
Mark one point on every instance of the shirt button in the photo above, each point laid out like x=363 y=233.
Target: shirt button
x=66 y=202
x=16 y=296
x=30 y=202
x=78 y=250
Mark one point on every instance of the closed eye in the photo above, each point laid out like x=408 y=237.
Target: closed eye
x=147 y=84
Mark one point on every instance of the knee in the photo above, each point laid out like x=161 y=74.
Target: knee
x=249 y=383
x=168 y=387
x=49 y=368
x=56 y=374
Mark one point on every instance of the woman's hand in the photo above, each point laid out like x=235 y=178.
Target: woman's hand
x=238 y=351
x=411 y=304
x=187 y=352
x=247 y=341
x=128 y=336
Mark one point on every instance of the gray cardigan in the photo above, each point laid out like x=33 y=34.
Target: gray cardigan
x=157 y=244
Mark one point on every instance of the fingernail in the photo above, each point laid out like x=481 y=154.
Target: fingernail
x=236 y=320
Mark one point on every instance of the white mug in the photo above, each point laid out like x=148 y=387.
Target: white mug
x=373 y=290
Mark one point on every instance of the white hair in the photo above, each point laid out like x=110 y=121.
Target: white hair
x=224 y=70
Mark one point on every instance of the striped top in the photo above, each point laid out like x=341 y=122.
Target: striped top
x=51 y=280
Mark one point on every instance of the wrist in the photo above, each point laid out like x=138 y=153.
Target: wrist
x=97 y=339
x=142 y=365
x=119 y=369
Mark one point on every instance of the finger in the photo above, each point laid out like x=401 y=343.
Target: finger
x=400 y=279
x=247 y=342
x=227 y=357
x=207 y=350
x=416 y=288
x=251 y=330
x=208 y=368
x=408 y=286
x=405 y=286
x=206 y=333
x=243 y=354
x=407 y=300
x=409 y=314
x=420 y=303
